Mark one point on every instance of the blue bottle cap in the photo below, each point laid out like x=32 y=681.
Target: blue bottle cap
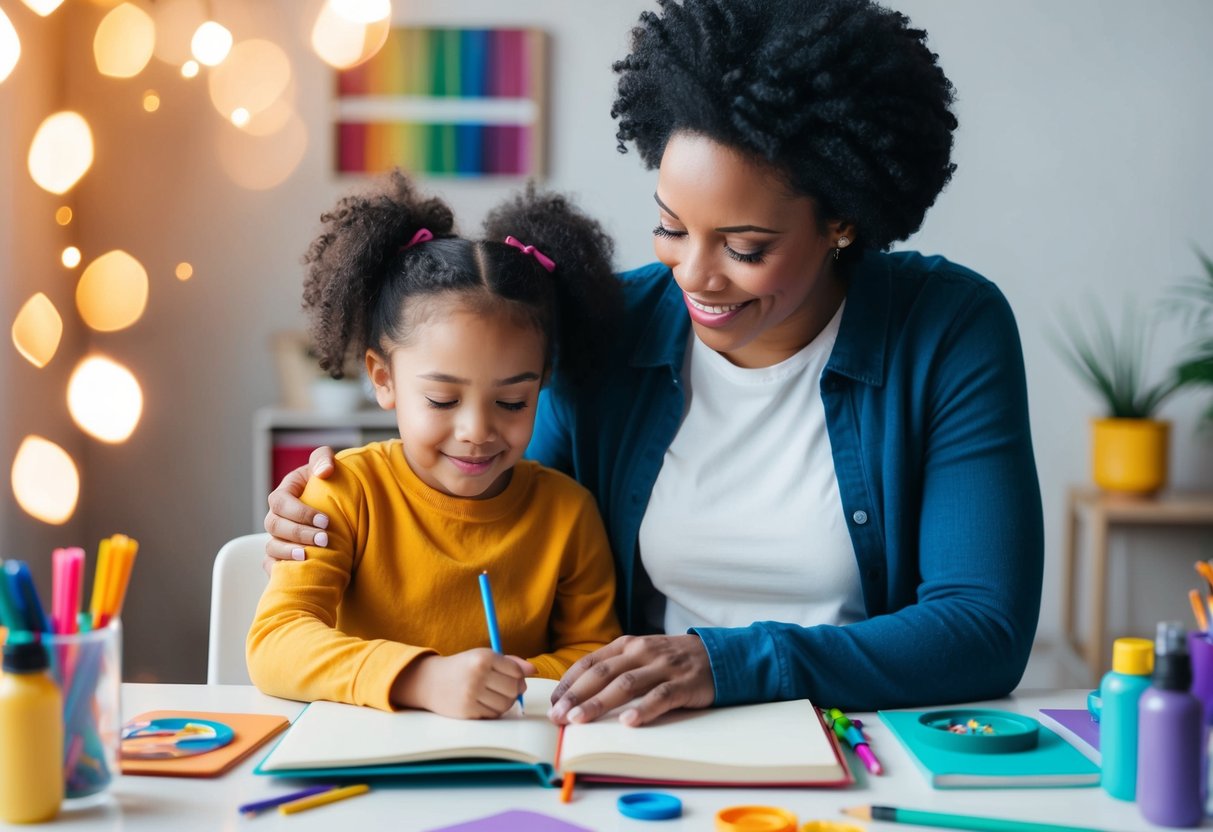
x=649 y=806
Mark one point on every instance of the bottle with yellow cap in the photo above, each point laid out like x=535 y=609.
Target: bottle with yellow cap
x=31 y=736
x=1120 y=690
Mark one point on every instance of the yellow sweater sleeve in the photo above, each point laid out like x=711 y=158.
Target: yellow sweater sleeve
x=294 y=648
x=583 y=615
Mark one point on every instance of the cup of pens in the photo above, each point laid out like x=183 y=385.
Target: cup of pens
x=87 y=666
x=84 y=659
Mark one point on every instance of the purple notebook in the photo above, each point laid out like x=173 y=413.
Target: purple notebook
x=517 y=820
x=1077 y=727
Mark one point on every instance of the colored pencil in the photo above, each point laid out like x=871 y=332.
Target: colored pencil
x=269 y=803
x=1206 y=571
x=566 y=788
x=490 y=616
x=946 y=821
x=323 y=799
x=1198 y=609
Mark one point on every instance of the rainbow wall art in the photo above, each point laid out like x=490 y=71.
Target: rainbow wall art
x=446 y=102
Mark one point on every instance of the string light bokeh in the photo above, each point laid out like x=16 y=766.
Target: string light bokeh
x=259 y=143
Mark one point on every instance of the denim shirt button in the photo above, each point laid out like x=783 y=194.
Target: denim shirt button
x=860 y=517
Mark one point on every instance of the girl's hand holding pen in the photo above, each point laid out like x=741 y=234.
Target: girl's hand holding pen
x=474 y=684
x=662 y=672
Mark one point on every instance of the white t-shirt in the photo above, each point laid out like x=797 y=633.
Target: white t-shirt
x=745 y=522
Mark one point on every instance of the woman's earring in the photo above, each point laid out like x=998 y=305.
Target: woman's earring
x=843 y=242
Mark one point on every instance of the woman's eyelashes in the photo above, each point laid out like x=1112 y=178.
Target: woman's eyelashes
x=447 y=405
x=739 y=256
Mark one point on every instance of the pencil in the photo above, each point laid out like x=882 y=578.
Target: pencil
x=322 y=799
x=972 y=822
x=1198 y=610
x=1205 y=571
x=490 y=617
x=566 y=788
x=270 y=802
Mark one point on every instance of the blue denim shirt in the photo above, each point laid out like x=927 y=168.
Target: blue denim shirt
x=926 y=408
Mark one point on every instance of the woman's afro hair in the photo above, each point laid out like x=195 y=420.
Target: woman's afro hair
x=841 y=97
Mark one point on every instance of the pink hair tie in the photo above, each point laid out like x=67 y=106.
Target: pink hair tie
x=543 y=259
x=423 y=235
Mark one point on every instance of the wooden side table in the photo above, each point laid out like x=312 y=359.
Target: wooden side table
x=1104 y=511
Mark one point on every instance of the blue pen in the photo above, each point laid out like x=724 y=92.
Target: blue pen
x=270 y=803
x=21 y=584
x=490 y=617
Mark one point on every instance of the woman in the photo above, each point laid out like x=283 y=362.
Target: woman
x=813 y=458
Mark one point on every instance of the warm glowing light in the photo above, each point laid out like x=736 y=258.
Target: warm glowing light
x=112 y=292
x=70 y=257
x=184 y=271
x=189 y=69
x=45 y=481
x=362 y=11
x=43 y=7
x=124 y=41
x=61 y=152
x=240 y=117
x=211 y=43
x=176 y=22
x=271 y=120
x=254 y=76
x=37 y=330
x=342 y=43
x=10 y=46
x=151 y=101
x=63 y=215
x=104 y=399
x=261 y=163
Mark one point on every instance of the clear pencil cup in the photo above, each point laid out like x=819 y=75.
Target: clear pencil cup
x=87 y=667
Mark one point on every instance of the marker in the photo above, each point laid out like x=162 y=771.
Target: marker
x=270 y=803
x=323 y=799
x=490 y=617
x=938 y=819
x=21 y=587
x=851 y=735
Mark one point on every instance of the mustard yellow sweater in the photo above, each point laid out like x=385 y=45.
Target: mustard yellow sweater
x=399 y=580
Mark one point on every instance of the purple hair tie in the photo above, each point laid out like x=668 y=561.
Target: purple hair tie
x=543 y=259
x=423 y=235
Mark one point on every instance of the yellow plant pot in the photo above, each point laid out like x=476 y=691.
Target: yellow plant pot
x=1130 y=455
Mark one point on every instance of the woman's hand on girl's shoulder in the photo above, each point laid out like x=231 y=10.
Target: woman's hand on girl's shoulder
x=291 y=524
x=661 y=673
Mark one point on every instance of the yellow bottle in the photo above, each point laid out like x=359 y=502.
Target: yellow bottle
x=31 y=736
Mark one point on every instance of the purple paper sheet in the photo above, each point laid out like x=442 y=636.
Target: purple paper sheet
x=517 y=820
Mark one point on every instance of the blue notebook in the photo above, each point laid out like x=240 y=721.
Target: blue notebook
x=1053 y=762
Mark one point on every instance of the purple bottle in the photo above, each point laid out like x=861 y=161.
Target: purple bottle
x=1170 y=730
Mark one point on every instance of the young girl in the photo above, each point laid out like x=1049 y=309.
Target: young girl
x=458 y=336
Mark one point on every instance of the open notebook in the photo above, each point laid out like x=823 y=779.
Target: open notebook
x=773 y=744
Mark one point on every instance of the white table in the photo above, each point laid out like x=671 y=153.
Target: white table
x=173 y=804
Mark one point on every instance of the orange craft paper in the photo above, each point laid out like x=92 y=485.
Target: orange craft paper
x=251 y=730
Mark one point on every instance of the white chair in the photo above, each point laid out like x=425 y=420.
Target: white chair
x=236 y=585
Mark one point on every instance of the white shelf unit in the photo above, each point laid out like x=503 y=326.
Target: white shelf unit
x=276 y=427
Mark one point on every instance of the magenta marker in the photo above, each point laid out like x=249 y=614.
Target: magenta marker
x=847 y=732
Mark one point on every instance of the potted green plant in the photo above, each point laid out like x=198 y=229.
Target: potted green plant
x=1129 y=444
x=1193 y=300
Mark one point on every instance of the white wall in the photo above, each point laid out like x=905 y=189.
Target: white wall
x=1083 y=167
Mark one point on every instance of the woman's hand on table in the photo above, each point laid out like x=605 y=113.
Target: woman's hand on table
x=660 y=672
x=291 y=524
